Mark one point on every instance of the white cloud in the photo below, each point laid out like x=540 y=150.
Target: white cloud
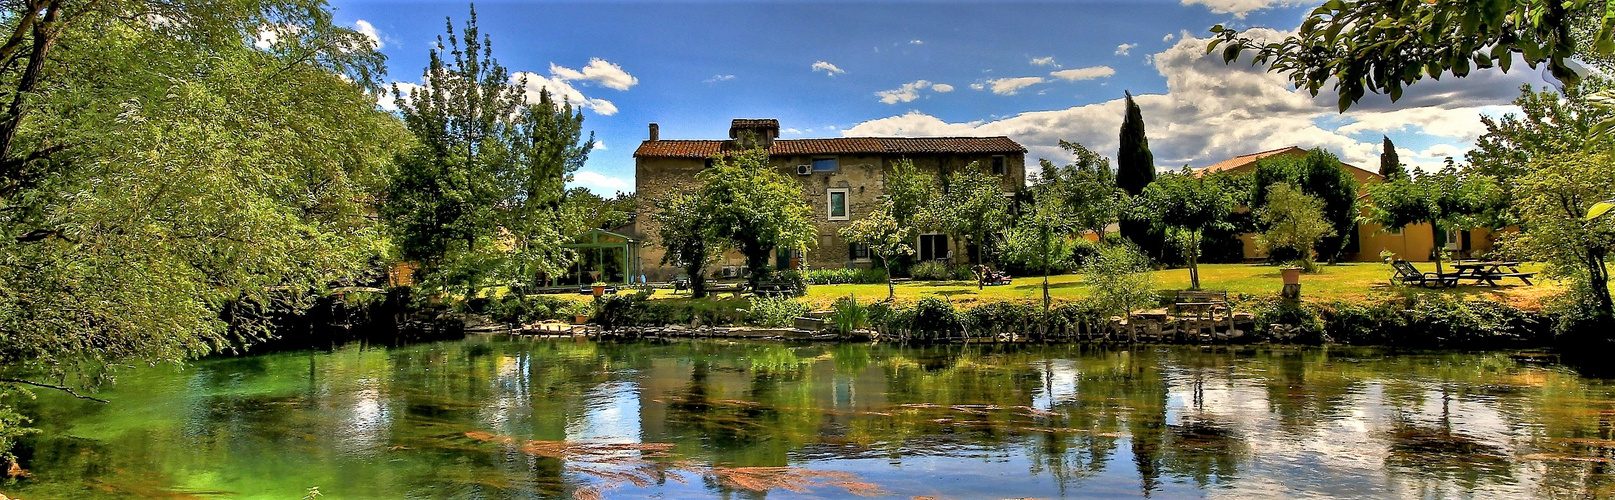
x=1239 y=8
x=1044 y=61
x=1167 y=38
x=719 y=78
x=1213 y=111
x=270 y=34
x=386 y=101
x=978 y=86
x=1089 y=73
x=599 y=71
x=942 y=88
x=916 y=42
x=827 y=68
x=1125 y=49
x=369 y=30
x=906 y=93
x=1009 y=86
x=600 y=183
x=561 y=89
x=599 y=145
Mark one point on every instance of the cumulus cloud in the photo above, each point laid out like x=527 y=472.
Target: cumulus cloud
x=1009 y=86
x=916 y=42
x=827 y=68
x=1124 y=49
x=1240 y=8
x=601 y=183
x=1213 y=111
x=719 y=78
x=599 y=72
x=911 y=91
x=368 y=30
x=386 y=101
x=1044 y=61
x=270 y=34
x=562 y=90
x=1089 y=73
x=1167 y=38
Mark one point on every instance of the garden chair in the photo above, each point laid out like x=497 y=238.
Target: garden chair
x=1406 y=274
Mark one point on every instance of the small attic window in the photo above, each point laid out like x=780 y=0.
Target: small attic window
x=824 y=165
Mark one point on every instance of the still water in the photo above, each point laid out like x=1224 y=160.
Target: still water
x=497 y=417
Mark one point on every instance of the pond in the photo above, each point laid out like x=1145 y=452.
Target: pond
x=499 y=417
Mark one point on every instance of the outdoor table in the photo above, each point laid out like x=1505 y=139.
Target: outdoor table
x=1488 y=271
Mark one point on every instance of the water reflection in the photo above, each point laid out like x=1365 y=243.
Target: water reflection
x=521 y=418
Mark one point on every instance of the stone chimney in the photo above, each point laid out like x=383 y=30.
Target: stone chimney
x=654 y=132
x=758 y=132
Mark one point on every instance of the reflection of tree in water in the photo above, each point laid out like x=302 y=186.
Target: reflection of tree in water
x=1305 y=389
x=1203 y=449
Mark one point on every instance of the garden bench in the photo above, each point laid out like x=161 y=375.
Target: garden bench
x=1406 y=274
x=775 y=289
x=1198 y=310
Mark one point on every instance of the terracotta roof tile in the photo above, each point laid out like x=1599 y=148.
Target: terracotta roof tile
x=1241 y=161
x=843 y=145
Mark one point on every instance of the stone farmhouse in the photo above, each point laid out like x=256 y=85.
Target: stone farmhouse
x=1365 y=244
x=842 y=179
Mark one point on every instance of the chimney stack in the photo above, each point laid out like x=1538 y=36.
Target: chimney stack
x=653 y=132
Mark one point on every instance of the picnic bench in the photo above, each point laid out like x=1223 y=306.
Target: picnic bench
x=776 y=289
x=1491 y=271
x=1406 y=274
x=1198 y=311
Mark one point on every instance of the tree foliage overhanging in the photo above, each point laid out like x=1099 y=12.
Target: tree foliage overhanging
x=162 y=214
x=1381 y=46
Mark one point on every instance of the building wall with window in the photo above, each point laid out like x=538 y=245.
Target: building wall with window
x=842 y=180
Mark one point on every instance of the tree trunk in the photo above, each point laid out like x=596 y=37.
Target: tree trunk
x=1599 y=282
x=891 y=290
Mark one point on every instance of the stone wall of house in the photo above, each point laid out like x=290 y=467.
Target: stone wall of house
x=862 y=176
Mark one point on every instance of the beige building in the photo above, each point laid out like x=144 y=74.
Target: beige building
x=842 y=179
x=1409 y=243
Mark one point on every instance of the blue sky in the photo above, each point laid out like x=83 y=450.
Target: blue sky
x=1037 y=72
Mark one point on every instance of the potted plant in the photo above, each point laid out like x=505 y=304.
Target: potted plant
x=599 y=288
x=1292 y=275
x=579 y=312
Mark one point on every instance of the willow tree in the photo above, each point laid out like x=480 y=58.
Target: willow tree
x=165 y=213
x=478 y=199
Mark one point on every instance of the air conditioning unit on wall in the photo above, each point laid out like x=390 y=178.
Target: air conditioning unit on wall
x=804 y=170
x=731 y=272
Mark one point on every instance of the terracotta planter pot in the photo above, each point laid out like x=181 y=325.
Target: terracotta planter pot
x=599 y=290
x=1292 y=275
x=578 y=319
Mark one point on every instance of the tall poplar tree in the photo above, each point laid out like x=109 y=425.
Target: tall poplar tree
x=1135 y=169
x=1390 y=166
x=479 y=198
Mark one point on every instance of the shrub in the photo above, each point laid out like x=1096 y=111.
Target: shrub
x=931 y=270
x=777 y=312
x=872 y=276
x=1002 y=317
x=963 y=273
x=932 y=315
x=1083 y=249
x=849 y=315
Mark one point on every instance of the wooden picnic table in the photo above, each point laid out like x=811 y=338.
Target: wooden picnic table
x=1491 y=271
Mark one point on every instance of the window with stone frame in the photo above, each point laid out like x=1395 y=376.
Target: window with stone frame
x=836 y=204
x=857 y=251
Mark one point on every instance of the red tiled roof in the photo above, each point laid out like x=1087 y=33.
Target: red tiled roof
x=843 y=145
x=1241 y=161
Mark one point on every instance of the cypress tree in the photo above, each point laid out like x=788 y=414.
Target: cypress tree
x=1390 y=167
x=1135 y=169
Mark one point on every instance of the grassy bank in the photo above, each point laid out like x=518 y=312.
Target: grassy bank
x=1342 y=282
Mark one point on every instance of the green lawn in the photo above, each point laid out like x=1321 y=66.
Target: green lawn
x=1348 y=281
